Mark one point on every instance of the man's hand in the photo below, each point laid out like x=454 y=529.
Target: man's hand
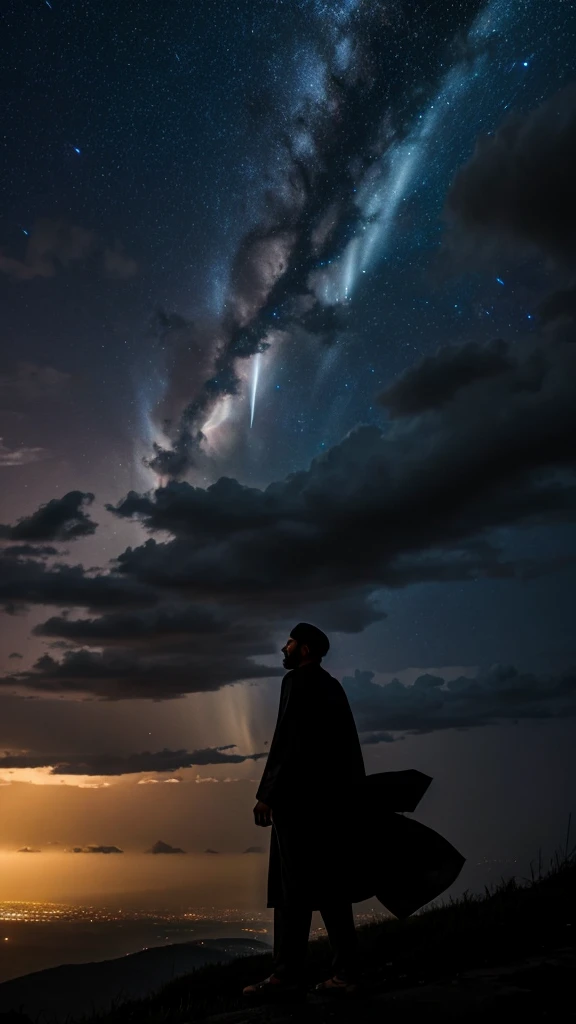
x=262 y=814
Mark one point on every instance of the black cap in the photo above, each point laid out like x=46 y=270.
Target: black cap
x=314 y=638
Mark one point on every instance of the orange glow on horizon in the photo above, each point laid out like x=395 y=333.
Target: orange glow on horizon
x=45 y=777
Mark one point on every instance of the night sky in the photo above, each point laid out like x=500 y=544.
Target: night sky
x=288 y=323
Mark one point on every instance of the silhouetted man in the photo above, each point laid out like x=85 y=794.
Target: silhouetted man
x=307 y=793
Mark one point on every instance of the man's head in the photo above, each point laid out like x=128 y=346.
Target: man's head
x=305 y=644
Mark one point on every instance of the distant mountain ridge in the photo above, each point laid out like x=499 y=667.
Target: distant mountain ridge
x=74 y=990
x=160 y=847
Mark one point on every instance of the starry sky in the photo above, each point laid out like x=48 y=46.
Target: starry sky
x=288 y=333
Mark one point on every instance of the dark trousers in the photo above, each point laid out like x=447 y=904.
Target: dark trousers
x=291 y=930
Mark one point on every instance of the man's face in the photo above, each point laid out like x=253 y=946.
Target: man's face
x=292 y=653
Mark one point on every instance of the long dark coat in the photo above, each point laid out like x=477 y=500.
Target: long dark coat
x=334 y=832
x=314 y=767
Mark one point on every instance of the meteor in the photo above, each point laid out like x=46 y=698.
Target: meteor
x=254 y=386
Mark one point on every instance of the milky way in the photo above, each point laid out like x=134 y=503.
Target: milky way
x=349 y=167
x=377 y=104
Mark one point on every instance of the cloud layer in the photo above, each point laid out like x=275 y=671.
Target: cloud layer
x=431 y=704
x=415 y=501
x=59 y=519
x=517 y=189
x=130 y=764
x=97 y=849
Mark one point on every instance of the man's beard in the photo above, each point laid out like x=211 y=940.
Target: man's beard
x=292 y=660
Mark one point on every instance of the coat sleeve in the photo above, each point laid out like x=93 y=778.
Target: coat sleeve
x=287 y=758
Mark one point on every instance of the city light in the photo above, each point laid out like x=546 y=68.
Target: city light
x=257 y=922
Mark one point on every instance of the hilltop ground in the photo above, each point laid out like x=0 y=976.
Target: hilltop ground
x=508 y=955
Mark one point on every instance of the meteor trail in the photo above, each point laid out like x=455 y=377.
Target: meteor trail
x=254 y=386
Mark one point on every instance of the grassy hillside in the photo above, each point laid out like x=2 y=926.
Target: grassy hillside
x=517 y=920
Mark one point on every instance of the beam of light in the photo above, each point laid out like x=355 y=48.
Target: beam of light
x=235 y=716
x=218 y=416
x=254 y=386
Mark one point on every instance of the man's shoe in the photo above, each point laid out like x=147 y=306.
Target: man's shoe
x=274 y=987
x=339 y=985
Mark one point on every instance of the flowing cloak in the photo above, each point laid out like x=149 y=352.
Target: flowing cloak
x=335 y=832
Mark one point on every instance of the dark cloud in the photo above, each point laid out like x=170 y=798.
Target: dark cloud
x=54 y=245
x=164 y=629
x=27 y=581
x=436 y=379
x=29 y=550
x=413 y=502
x=161 y=847
x=518 y=187
x=128 y=764
x=255 y=849
x=560 y=306
x=120 y=675
x=158 y=653
x=15 y=654
x=201 y=513
x=432 y=704
x=181 y=627
x=59 y=519
x=409 y=503
x=97 y=849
